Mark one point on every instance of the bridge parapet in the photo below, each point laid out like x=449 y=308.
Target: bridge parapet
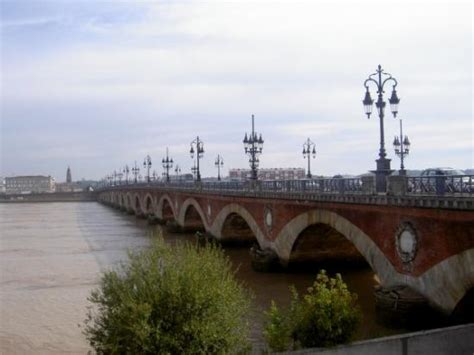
x=403 y=191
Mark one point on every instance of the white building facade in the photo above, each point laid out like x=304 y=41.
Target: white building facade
x=29 y=184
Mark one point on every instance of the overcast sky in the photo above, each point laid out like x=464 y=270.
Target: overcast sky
x=97 y=85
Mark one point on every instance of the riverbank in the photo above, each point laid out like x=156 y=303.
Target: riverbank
x=50 y=197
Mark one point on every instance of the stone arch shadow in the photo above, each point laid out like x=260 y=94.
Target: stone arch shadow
x=137 y=205
x=288 y=236
x=191 y=206
x=148 y=207
x=165 y=209
x=234 y=209
x=128 y=202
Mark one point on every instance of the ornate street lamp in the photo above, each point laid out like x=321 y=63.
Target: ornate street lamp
x=177 y=170
x=114 y=178
x=380 y=78
x=126 y=170
x=219 y=163
x=402 y=148
x=167 y=165
x=199 y=150
x=309 y=149
x=136 y=171
x=253 y=146
x=147 y=164
x=194 y=169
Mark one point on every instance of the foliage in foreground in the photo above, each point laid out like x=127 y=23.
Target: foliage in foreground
x=327 y=315
x=169 y=300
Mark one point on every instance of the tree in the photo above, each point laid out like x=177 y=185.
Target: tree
x=327 y=315
x=172 y=300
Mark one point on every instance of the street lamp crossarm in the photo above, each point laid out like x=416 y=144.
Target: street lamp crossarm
x=371 y=80
x=388 y=79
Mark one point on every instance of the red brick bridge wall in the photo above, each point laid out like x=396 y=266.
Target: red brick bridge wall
x=428 y=249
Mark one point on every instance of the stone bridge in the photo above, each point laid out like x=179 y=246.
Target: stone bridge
x=424 y=243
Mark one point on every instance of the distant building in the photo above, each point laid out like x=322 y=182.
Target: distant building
x=268 y=174
x=2 y=185
x=68 y=175
x=68 y=186
x=29 y=184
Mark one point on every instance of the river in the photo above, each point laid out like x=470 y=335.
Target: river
x=52 y=254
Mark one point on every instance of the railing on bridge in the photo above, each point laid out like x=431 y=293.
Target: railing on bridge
x=440 y=185
x=334 y=185
x=455 y=185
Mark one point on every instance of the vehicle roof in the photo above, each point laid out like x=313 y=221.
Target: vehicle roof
x=441 y=168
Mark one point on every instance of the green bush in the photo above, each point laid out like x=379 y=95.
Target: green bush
x=277 y=331
x=327 y=315
x=169 y=300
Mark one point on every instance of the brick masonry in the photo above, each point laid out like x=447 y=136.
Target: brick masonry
x=444 y=237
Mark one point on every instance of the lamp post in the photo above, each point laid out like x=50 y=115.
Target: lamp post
x=147 y=164
x=136 y=171
x=167 y=165
x=126 y=170
x=194 y=169
x=253 y=146
x=199 y=144
x=309 y=149
x=402 y=148
x=114 y=175
x=380 y=78
x=219 y=163
x=177 y=170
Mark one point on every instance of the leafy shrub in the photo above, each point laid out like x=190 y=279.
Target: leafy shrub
x=169 y=300
x=327 y=315
x=277 y=330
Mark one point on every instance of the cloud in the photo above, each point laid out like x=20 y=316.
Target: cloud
x=158 y=74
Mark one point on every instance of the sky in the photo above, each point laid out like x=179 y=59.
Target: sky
x=98 y=85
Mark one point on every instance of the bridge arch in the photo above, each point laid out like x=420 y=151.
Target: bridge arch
x=444 y=285
x=191 y=206
x=233 y=208
x=165 y=209
x=447 y=283
x=137 y=206
x=148 y=205
x=128 y=201
x=363 y=243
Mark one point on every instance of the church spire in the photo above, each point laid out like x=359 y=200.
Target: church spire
x=68 y=175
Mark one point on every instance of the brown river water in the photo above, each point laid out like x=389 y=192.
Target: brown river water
x=52 y=255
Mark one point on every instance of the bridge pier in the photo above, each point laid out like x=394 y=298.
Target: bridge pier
x=152 y=219
x=264 y=260
x=402 y=307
